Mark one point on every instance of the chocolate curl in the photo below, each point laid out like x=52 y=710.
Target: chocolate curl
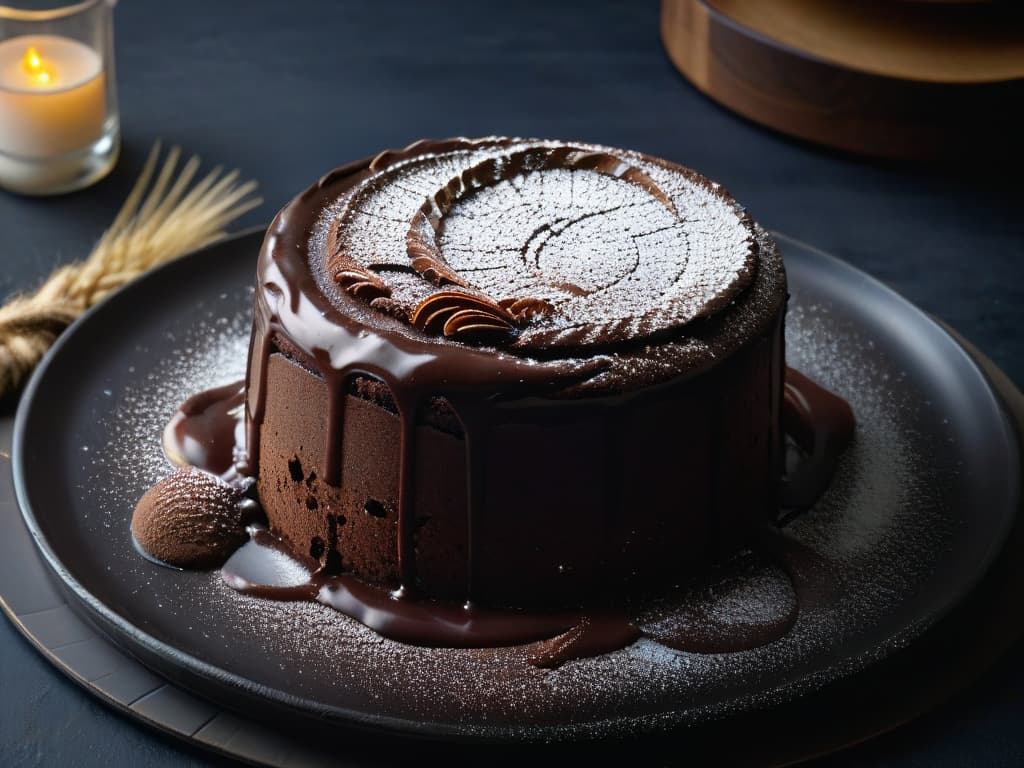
x=462 y=316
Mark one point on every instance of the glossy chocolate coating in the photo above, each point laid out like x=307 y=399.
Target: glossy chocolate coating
x=269 y=568
x=455 y=469
x=206 y=428
x=556 y=486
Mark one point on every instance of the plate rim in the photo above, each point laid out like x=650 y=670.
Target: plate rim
x=208 y=679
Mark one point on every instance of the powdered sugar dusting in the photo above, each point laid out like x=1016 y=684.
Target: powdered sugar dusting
x=210 y=352
x=878 y=530
x=881 y=532
x=610 y=253
x=613 y=258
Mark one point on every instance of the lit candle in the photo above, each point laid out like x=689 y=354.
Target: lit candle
x=52 y=96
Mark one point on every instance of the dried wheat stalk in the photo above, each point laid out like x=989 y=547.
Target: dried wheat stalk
x=150 y=229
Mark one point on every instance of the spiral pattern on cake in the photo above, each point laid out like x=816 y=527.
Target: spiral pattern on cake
x=538 y=245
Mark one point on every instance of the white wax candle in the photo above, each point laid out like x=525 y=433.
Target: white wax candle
x=52 y=96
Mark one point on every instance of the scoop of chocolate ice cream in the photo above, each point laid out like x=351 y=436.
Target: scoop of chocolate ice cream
x=192 y=519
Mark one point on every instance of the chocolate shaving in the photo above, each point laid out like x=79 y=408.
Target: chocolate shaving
x=435 y=272
x=424 y=254
x=392 y=307
x=368 y=290
x=461 y=315
x=359 y=281
x=418 y=248
x=474 y=319
x=525 y=309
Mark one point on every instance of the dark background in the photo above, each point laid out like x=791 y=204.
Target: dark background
x=286 y=90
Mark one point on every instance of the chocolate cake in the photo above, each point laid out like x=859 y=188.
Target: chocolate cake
x=516 y=373
x=502 y=391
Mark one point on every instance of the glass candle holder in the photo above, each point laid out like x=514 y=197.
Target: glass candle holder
x=59 y=124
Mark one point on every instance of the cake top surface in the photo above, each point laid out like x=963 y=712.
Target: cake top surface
x=468 y=263
x=536 y=245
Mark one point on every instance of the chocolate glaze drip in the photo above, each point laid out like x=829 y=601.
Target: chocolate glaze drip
x=822 y=424
x=266 y=567
x=414 y=372
x=206 y=428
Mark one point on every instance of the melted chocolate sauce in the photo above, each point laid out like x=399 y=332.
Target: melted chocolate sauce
x=205 y=430
x=265 y=567
x=822 y=424
x=593 y=634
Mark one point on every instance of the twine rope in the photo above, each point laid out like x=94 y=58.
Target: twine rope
x=150 y=229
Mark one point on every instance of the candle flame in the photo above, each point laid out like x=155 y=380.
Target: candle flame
x=37 y=70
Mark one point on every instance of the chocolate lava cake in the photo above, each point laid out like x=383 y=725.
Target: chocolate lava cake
x=516 y=373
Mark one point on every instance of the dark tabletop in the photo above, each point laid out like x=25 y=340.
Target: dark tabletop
x=286 y=90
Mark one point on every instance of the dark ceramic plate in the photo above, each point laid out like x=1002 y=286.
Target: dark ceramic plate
x=914 y=517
